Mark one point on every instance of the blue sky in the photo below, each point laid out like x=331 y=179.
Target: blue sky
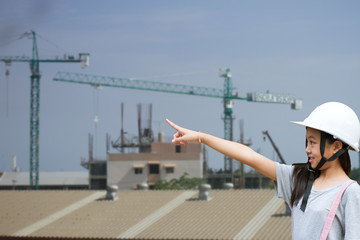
x=309 y=49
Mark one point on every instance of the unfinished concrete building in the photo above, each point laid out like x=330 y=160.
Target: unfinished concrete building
x=165 y=162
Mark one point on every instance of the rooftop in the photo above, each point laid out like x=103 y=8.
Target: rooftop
x=229 y=214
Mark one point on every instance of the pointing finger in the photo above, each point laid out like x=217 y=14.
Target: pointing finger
x=173 y=125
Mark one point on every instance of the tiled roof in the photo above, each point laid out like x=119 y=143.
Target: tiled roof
x=277 y=227
x=20 y=209
x=229 y=214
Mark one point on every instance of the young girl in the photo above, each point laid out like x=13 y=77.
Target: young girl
x=325 y=203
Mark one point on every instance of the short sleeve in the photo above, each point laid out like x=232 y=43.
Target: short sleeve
x=351 y=204
x=284 y=182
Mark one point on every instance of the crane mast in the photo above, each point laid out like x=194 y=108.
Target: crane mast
x=34 y=115
x=228 y=117
x=35 y=99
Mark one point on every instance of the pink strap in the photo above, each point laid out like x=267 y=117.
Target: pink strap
x=332 y=212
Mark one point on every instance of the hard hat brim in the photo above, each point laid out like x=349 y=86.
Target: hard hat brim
x=299 y=123
x=303 y=124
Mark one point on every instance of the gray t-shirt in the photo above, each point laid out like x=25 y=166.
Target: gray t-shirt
x=309 y=224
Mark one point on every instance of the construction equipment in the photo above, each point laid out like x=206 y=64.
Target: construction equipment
x=266 y=133
x=227 y=94
x=83 y=58
x=120 y=142
x=145 y=133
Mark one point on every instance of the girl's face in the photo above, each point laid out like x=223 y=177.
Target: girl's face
x=313 y=139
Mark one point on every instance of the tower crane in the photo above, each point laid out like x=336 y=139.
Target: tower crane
x=34 y=62
x=227 y=94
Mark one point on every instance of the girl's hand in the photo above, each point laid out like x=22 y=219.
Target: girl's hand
x=183 y=135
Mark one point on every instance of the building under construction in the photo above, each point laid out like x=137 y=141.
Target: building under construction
x=141 y=160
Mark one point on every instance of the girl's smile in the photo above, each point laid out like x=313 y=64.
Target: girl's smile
x=313 y=146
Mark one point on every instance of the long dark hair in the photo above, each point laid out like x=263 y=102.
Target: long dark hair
x=301 y=173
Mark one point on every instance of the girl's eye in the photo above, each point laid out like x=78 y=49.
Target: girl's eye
x=310 y=142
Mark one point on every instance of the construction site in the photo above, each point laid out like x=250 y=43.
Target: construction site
x=114 y=194
x=94 y=98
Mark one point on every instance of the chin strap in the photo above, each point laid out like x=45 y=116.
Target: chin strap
x=308 y=188
x=322 y=150
x=320 y=164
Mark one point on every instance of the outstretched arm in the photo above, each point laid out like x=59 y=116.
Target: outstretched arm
x=231 y=149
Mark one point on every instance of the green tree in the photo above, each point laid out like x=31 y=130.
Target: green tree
x=183 y=183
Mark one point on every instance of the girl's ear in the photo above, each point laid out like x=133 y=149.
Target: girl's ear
x=337 y=145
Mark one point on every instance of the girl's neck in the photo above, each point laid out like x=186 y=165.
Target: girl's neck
x=330 y=176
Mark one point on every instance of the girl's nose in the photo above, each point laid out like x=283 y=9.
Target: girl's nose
x=307 y=148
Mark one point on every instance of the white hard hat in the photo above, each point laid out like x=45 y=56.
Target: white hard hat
x=336 y=119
